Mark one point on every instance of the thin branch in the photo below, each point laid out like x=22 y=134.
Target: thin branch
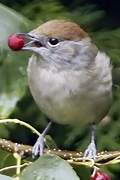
x=102 y=158
x=74 y=157
x=13 y=167
x=17 y=121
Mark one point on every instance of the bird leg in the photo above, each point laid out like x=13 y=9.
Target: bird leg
x=38 y=147
x=90 y=152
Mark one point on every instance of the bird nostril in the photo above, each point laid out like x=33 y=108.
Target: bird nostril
x=37 y=44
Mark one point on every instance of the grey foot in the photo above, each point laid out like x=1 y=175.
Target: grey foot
x=38 y=147
x=90 y=152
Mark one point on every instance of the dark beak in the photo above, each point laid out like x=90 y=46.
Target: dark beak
x=30 y=41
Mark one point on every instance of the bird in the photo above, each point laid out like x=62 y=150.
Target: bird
x=69 y=77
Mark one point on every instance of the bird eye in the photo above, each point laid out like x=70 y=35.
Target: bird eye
x=53 y=42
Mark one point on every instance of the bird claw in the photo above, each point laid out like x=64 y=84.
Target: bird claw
x=38 y=147
x=90 y=152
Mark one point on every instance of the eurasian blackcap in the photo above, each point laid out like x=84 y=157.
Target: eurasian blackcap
x=69 y=78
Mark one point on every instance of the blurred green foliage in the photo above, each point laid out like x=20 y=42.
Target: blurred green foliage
x=15 y=100
x=49 y=167
x=10 y=76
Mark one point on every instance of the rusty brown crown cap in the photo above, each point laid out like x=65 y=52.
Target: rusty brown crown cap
x=61 y=29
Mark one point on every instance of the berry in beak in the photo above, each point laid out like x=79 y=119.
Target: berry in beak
x=22 y=41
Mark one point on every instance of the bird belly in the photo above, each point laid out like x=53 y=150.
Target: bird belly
x=64 y=100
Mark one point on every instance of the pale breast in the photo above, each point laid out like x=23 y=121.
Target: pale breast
x=67 y=97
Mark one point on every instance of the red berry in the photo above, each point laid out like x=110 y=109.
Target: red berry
x=99 y=176
x=15 y=42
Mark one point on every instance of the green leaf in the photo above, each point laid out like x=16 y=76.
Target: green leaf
x=7 y=160
x=3 y=177
x=12 y=65
x=49 y=167
x=10 y=22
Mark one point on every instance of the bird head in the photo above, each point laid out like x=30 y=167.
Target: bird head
x=61 y=42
